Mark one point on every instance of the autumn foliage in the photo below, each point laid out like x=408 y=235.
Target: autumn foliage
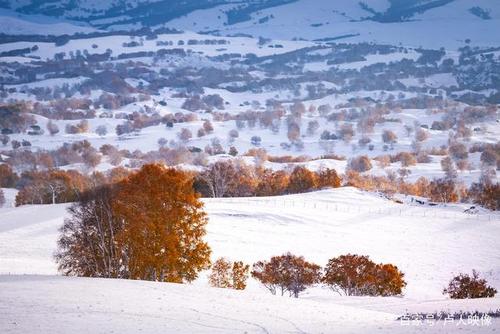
x=227 y=274
x=357 y=275
x=228 y=179
x=301 y=180
x=487 y=195
x=286 y=273
x=464 y=286
x=8 y=177
x=148 y=226
x=50 y=187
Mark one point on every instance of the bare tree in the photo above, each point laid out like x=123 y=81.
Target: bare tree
x=219 y=178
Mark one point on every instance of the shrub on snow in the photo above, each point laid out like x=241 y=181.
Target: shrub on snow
x=464 y=286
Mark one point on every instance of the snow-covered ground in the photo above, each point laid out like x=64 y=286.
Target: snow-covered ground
x=429 y=244
x=50 y=304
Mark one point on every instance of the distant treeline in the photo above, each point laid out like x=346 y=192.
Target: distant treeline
x=63 y=39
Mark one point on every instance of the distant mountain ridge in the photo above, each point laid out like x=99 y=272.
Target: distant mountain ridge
x=144 y=13
x=415 y=23
x=155 y=12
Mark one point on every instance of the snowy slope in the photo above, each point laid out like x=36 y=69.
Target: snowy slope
x=428 y=245
x=38 y=304
x=424 y=242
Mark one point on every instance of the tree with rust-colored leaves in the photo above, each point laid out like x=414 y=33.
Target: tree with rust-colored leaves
x=164 y=225
x=148 y=226
x=227 y=274
x=287 y=273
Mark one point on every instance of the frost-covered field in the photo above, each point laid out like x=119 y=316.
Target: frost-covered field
x=429 y=245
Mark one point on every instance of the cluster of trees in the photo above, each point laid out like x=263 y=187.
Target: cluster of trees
x=150 y=226
x=8 y=178
x=227 y=179
x=67 y=154
x=354 y=275
x=208 y=102
x=53 y=186
x=444 y=190
x=15 y=118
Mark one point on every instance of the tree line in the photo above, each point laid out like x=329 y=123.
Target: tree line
x=234 y=178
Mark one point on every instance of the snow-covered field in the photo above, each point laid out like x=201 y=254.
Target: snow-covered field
x=50 y=304
x=429 y=245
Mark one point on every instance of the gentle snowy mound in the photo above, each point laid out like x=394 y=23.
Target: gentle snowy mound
x=38 y=304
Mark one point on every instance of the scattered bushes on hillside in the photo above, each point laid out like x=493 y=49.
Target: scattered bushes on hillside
x=489 y=158
x=464 y=286
x=356 y=275
x=407 y=159
x=185 y=135
x=52 y=128
x=227 y=274
x=286 y=273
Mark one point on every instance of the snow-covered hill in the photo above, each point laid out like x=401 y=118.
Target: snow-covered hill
x=429 y=245
x=425 y=242
x=427 y=23
x=447 y=25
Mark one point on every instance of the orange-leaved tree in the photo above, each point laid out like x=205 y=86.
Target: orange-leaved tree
x=163 y=225
x=148 y=226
